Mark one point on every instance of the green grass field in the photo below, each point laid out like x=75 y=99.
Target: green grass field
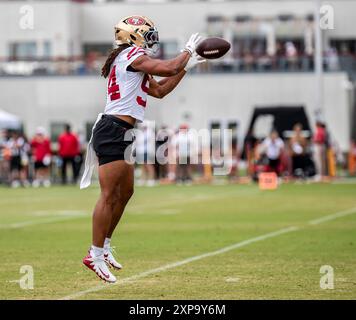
x=50 y=229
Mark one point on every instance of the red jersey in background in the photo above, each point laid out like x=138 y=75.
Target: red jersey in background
x=68 y=145
x=40 y=148
x=320 y=135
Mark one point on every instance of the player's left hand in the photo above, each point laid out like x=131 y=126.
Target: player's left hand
x=192 y=43
x=194 y=60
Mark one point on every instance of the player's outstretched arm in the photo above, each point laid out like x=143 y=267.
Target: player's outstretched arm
x=167 y=68
x=159 y=89
x=162 y=68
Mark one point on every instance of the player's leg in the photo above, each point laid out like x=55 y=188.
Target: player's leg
x=151 y=174
x=110 y=175
x=64 y=170
x=36 y=181
x=179 y=174
x=45 y=172
x=15 y=168
x=125 y=190
x=74 y=165
x=40 y=173
x=110 y=178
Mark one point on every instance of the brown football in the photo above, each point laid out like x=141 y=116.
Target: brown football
x=213 y=48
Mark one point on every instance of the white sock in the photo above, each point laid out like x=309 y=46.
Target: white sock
x=97 y=251
x=107 y=243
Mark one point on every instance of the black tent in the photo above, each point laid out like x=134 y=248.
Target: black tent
x=284 y=117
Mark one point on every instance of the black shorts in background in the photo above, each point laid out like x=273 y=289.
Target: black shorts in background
x=109 y=139
x=15 y=163
x=274 y=164
x=40 y=165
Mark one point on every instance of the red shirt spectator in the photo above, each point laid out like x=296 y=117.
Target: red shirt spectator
x=40 y=147
x=68 y=144
x=353 y=148
x=320 y=135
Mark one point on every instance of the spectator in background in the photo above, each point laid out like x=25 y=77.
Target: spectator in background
x=297 y=148
x=332 y=59
x=291 y=54
x=5 y=156
x=172 y=156
x=41 y=152
x=249 y=149
x=68 y=149
x=352 y=158
x=3 y=138
x=273 y=147
x=234 y=154
x=25 y=160
x=145 y=154
x=319 y=140
x=162 y=137
x=182 y=141
x=78 y=160
x=19 y=149
x=248 y=60
x=280 y=62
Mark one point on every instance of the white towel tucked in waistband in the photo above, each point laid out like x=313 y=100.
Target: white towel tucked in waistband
x=91 y=160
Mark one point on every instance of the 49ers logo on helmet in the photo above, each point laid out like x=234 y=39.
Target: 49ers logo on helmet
x=136 y=21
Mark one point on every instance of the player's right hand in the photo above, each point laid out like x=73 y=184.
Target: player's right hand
x=192 y=43
x=193 y=61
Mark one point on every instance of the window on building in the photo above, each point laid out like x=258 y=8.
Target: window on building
x=214 y=19
x=101 y=48
x=56 y=128
x=47 y=49
x=22 y=50
x=344 y=46
x=282 y=45
x=168 y=49
x=249 y=45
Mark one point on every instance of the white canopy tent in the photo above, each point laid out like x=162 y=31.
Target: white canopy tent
x=9 y=121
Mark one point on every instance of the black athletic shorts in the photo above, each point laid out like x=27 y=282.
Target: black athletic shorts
x=274 y=163
x=109 y=140
x=15 y=163
x=40 y=165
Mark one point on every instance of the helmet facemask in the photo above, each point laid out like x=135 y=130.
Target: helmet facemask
x=151 y=44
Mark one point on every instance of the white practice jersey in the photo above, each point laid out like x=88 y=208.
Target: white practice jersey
x=127 y=90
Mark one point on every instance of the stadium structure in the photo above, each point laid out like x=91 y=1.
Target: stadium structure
x=50 y=65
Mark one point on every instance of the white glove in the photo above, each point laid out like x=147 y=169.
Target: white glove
x=193 y=61
x=192 y=43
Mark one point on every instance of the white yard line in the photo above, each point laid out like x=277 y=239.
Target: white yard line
x=136 y=209
x=57 y=213
x=181 y=262
x=40 y=221
x=208 y=254
x=333 y=216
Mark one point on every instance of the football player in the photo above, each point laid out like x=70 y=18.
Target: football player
x=129 y=69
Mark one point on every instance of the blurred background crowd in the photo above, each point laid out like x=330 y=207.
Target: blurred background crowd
x=36 y=162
